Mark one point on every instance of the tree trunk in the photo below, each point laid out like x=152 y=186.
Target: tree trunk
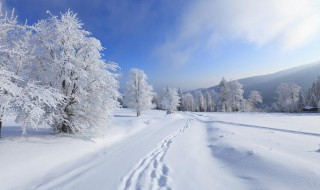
x=66 y=128
x=138 y=113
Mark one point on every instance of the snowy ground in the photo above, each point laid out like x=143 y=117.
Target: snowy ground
x=178 y=151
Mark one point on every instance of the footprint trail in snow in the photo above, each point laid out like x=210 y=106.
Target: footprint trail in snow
x=151 y=172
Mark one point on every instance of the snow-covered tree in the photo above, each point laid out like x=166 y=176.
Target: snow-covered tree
x=18 y=93
x=70 y=60
x=8 y=87
x=156 y=101
x=230 y=96
x=210 y=100
x=188 y=102
x=253 y=99
x=289 y=97
x=314 y=94
x=33 y=106
x=138 y=95
x=59 y=72
x=235 y=96
x=8 y=90
x=200 y=101
x=180 y=94
x=223 y=96
x=170 y=100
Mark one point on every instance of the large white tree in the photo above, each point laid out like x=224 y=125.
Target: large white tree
x=18 y=91
x=70 y=60
x=139 y=94
x=230 y=96
x=289 y=95
x=170 y=100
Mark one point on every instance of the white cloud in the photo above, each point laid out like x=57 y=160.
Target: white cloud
x=287 y=23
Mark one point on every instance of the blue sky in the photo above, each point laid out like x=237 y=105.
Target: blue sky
x=194 y=43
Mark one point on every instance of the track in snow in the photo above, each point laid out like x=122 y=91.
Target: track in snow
x=152 y=172
x=255 y=126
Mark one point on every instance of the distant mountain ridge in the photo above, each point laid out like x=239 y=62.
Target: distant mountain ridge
x=303 y=76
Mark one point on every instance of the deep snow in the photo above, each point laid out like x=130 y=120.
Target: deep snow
x=177 y=151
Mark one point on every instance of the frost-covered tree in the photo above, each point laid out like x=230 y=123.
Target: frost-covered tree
x=17 y=90
x=33 y=105
x=70 y=60
x=156 y=101
x=200 y=101
x=188 y=102
x=223 y=96
x=254 y=99
x=289 y=97
x=210 y=96
x=230 y=96
x=314 y=94
x=138 y=95
x=170 y=100
x=8 y=90
x=180 y=94
x=59 y=72
x=235 y=96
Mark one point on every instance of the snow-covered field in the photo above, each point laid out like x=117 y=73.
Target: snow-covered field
x=178 y=151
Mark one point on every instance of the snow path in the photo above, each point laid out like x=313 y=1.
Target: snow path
x=254 y=126
x=105 y=168
x=152 y=172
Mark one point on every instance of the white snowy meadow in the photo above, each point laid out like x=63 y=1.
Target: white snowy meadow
x=65 y=125
x=176 y=151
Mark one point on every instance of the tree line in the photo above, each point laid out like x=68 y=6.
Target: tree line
x=228 y=98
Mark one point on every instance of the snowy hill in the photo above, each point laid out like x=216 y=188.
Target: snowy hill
x=304 y=76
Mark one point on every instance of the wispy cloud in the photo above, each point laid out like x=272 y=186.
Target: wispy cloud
x=289 y=24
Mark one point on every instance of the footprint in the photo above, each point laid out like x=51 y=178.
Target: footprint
x=162 y=181
x=155 y=164
x=165 y=170
x=153 y=174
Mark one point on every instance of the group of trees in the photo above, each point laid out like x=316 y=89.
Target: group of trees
x=291 y=98
x=139 y=95
x=229 y=98
x=52 y=74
